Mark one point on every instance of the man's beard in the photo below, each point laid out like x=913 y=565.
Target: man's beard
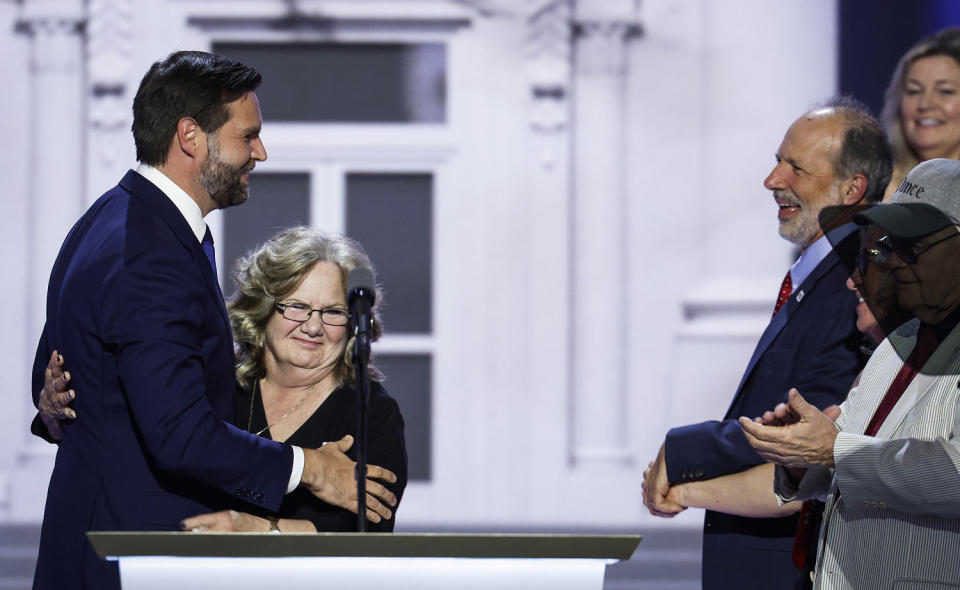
x=223 y=182
x=801 y=230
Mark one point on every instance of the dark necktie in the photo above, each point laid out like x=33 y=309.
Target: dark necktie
x=786 y=287
x=926 y=344
x=207 y=244
x=806 y=527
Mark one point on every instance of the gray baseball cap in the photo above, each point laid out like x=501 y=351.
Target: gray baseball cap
x=927 y=200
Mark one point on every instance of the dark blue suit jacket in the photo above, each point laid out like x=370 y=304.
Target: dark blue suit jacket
x=811 y=344
x=134 y=306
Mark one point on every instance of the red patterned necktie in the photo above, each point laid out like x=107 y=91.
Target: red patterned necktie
x=926 y=344
x=786 y=287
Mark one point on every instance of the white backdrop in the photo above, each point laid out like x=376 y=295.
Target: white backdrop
x=599 y=176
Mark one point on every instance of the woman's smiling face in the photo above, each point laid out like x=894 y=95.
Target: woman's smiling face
x=310 y=345
x=930 y=107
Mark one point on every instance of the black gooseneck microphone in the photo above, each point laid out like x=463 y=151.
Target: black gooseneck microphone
x=360 y=299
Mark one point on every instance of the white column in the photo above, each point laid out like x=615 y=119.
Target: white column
x=56 y=152
x=56 y=160
x=600 y=267
x=549 y=52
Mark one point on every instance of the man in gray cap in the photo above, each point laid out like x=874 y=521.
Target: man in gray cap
x=890 y=464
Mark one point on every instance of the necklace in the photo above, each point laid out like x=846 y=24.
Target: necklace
x=253 y=397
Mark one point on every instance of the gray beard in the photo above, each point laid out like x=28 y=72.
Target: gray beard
x=800 y=231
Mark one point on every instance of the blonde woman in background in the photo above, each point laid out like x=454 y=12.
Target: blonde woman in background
x=921 y=110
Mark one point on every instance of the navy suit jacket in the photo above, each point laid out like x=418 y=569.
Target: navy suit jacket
x=811 y=344
x=134 y=306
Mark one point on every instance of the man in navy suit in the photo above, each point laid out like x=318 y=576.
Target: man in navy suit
x=833 y=156
x=133 y=302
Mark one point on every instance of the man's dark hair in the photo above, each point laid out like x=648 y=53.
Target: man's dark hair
x=864 y=149
x=186 y=84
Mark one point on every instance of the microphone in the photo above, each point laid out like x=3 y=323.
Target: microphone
x=360 y=299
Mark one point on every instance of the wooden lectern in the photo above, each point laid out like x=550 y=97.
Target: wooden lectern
x=375 y=561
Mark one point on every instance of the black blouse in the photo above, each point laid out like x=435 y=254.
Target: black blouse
x=335 y=418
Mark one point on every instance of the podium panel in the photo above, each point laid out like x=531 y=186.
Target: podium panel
x=362 y=573
x=255 y=561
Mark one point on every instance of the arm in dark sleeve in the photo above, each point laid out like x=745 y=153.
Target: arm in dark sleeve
x=707 y=450
x=827 y=378
x=829 y=358
x=153 y=313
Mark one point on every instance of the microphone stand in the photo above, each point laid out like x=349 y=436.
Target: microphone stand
x=361 y=358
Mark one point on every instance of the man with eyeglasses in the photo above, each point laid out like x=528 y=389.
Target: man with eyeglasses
x=890 y=464
x=837 y=156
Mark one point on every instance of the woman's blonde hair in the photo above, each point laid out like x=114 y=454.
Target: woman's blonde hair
x=943 y=42
x=274 y=270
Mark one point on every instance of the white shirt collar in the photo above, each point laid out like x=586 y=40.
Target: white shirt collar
x=186 y=205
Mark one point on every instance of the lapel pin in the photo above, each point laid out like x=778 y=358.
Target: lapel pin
x=799 y=296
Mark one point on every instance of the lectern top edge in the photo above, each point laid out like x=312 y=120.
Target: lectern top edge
x=128 y=544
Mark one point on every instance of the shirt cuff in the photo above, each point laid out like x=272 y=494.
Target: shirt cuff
x=296 y=474
x=784 y=488
x=814 y=484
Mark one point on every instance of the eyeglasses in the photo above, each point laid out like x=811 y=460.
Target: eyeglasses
x=331 y=316
x=887 y=245
x=908 y=252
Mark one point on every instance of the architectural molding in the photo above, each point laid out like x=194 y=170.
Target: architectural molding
x=109 y=109
x=601 y=46
x=549 y=63
x=326 y=19
x=109 y=44
x=109 y=50
x=410 y=154
x=54 y=27
x=492 y=8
